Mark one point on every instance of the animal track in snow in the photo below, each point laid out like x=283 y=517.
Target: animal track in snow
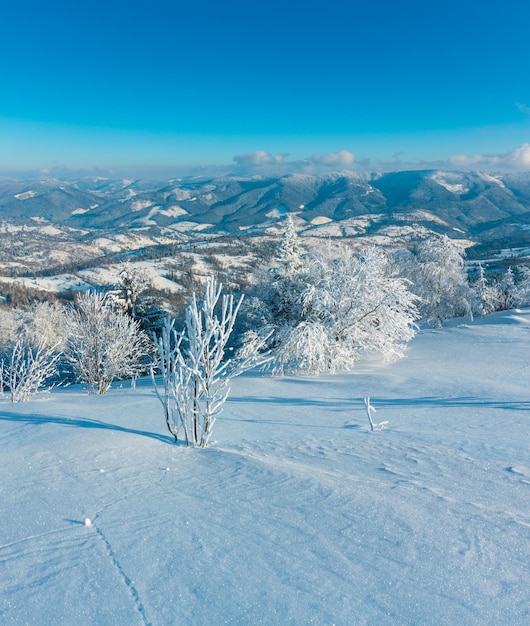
x=128 y=582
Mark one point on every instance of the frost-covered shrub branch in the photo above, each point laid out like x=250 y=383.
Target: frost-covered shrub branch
x=27 y=369
x=194 y=369
x=370 y=410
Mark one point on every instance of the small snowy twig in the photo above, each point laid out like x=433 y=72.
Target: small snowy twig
x=369 y=410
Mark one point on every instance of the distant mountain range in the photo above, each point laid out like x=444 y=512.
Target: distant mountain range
x=490 y=210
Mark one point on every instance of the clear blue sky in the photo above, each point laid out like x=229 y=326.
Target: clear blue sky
x=195 y=83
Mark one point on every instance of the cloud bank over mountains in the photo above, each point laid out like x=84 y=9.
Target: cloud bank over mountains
x=518 y=159
x=265 y=163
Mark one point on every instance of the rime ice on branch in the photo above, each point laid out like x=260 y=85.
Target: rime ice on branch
x=193 y=366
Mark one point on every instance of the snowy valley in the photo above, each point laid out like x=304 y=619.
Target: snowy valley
x=71 y=229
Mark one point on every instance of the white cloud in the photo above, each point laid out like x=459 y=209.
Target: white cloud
x=264 y=162
x=517 y=159
x=342 y=158
x=520 y=157
x=462 y=160
x=258 y=158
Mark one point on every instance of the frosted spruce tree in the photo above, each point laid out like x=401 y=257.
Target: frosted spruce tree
x=485 y=297
x=288 y=281
x=275 y=304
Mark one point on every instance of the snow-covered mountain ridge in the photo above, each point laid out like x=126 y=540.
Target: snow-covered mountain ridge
x=46 y=222
x=469 y=201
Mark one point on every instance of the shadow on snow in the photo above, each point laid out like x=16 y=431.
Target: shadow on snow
x=347 y=403
x=80 y=422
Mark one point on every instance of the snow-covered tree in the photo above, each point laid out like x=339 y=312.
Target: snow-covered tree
x=193 y=365
x=506 y=291
x=131 y=297
x=103 y=344
x=40 y=322
x=46 y=323
x=522 y=287
x=484 y=296
x=439 y=278
x=503 y=291
x=27 y=369
x=10 y=327
x=326 y=310
x=290 y=255
x=353 y=304
x=275 y=303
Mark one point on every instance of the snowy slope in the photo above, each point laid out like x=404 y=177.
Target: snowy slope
x=296 y=514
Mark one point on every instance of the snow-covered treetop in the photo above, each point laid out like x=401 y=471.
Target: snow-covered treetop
x=290 y=252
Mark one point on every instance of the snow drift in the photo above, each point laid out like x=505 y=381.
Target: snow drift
x=296 y=513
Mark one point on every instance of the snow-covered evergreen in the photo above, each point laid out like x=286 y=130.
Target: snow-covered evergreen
x=131 y=297
x=485 y=295
x=275 y=303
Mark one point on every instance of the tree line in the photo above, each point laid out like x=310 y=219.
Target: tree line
x=302 y=313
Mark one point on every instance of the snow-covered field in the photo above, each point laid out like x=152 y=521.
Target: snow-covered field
x=297 y=513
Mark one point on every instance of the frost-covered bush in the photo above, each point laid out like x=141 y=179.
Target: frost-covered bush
x=46 y=323
x=103 y=344
x=194 y=369
x=10 y=327
x=353 y=304
x=26 y=369
x=31 y=343
x=439 y=278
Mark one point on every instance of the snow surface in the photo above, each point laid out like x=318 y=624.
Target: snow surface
x=492 y=179
x=26 y=195
x=58 y=283
x=296 y=513
x=139 y=205
x=448 y=180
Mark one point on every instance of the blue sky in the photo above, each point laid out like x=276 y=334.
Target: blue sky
x=263 y=86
